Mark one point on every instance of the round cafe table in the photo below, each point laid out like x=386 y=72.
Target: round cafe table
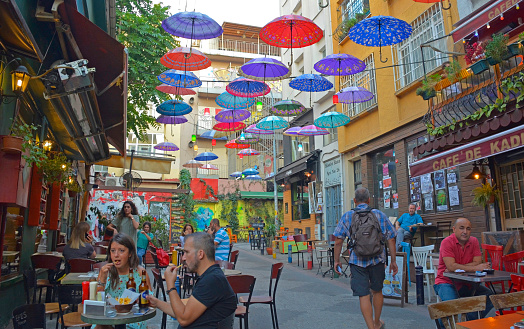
x=119 y=321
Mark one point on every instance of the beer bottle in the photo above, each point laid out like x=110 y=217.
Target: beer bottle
x=143 y=290
x=131 y=285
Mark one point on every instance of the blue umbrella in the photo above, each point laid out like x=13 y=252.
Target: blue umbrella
x=265 y=69
x=232 y=115
x=250 y=171
x=254 y=177
x=332 y=120
x=235 y=174
x=243 y=87
x=174 y=107
x=206 y=156
x=380 y=31
x=192 y=25
x=228 y=101
x=272 y=123
x=180 y=79
x=213 y=134
x=310 y=82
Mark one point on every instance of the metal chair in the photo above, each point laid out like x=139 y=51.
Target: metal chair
x=102 y=243
x=70 y=294
x=321 y=254
x=300 y=238
x=406 y=247
x=494 y=254
x=422 y=257
x=80 y=265
x=160 y=287
x=50 y=262
x=242 y=284
x=29 y=316
x=448 y=312
x=276 y=271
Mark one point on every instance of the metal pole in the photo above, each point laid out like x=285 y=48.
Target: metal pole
x=275 y=189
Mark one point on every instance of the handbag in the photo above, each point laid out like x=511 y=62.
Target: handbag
x=163 y=257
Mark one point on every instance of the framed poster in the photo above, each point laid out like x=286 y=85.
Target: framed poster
x=395 y=286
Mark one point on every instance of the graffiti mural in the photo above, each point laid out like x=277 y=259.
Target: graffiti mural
x=204 y=216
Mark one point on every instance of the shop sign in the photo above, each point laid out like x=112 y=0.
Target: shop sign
x=483 y=148
x=332 y=172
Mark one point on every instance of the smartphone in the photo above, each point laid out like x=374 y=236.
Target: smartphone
x=87 y=235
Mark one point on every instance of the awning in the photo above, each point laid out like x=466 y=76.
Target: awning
x=505 y=141
x=149 y=164
x=478 y=19
x=260 y=195
x=295 y=167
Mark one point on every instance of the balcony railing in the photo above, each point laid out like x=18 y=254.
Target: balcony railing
x=222 y=171
x=259 y=48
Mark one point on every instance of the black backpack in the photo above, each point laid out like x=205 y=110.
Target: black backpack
x=365 y=235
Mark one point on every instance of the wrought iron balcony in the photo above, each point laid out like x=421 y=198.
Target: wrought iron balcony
x=258 y=48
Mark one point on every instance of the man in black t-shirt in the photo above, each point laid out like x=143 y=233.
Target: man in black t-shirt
x=212 y=299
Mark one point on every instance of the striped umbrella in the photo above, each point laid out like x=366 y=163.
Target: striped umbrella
x=293 y=131
x=166 y=146
x=312 y=130
x=185 y=59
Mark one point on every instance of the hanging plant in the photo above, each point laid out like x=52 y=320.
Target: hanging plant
x=55 y=168
x=453 y=71
x=33 y=152
x=485 y=195
x=497 y=48
x=427 y=90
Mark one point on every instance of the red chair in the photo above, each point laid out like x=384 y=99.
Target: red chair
x=234 y=258
x=276 y=271
x=80 y=265
x=300 y=238
x=99 y=265
x=517 y=284
x=495 y=257
x=100 y=250
x=242 y=284
x=102 y=243
x=49 y=262
x=511 y=261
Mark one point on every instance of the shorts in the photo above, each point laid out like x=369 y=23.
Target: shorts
x=365 y=278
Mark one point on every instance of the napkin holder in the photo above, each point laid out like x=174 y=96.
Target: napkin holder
x=94 y=307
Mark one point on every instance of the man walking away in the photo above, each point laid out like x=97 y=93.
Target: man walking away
x=367 y=254
x=221 y=240
x=404 y=222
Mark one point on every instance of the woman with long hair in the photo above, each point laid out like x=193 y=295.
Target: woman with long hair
x=188 y=229
x=144 y=238
x=127 y=221
x=115 y=274
x=79 y=246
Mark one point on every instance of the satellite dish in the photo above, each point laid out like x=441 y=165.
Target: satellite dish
x=131 y=180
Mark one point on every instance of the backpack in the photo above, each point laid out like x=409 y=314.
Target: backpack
x=365 y=235
x=163 y=257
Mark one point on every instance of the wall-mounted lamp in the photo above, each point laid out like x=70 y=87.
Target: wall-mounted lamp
x=47 y=145
x=19 y=78
x=476 y=173
x=195 y=147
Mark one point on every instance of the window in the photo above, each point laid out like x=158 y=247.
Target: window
x=99 y=168
x=357 y=173
x=300 y=147
x=145 y=148
x=386 y=182
x=349 y=8
x=512 y=178
x=407 y=54
x=365 y=79
x=300 y=201
x=331 y=137
x=205 y=119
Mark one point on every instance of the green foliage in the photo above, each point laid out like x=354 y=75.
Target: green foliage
x=139 y=29
x=270 y=230
x=229 y=213
x=73 y=186
x=56 y=168
x=347 y=24
x=188 y=204
x=453 y=71
x=515 y=84
x=485 y=194
x=428 y=85
x=35 y=152
x=497 y=47
x=185 y=179
x=159 y=228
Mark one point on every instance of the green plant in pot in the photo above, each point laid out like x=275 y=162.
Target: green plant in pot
x=496 y=49
x=427 y=90
x=271 y=231
x=73 y=188
x=485 y=195
x=55 y=168
x=33 y=152
x=453 y=71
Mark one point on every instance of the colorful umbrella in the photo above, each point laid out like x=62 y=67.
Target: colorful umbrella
x=435 y=1
x=192 y=164
x=166 y=146
x=340 y=64
x=192 y=25
x=209 y=167
x=254 y=130
x=206 y=156
x=248 y=138
x=287 y=107
x=380 y=31
x=248 y=152
x=293 y=131
x=350 y=95
x=310 y=82
x=265 y=69
x=228 y=101
x=249 y=171
x=175 y=90
x=254 y=177
x=236 y=174
x=291 y=31
x=312 y=130
x=272 y=123
x=185 y=59
x=180 y=79
x=171 y=120
x=174 y=107
x=234 y=144
x=213 y=134
x=232 y=115
x=229 y=126
x=332 y=120
x=243 y=87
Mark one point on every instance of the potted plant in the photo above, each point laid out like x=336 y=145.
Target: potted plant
x=270 y=231
x=427 y=90
x=496 y=49
x=453 y=71
x=485 y=194
x=55 y=168
x=73 y=188
x=475 y=58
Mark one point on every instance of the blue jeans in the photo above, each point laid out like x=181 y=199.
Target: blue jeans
x=141 y=253
x=401 y=234
x=448 y=291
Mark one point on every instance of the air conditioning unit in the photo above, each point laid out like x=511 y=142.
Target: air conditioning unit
x=113 y=181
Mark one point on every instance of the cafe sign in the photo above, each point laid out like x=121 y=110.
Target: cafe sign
x=499 y=143
x=332 y=172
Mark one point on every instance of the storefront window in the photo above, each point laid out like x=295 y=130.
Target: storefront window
x=12 y=244
x=300 y=201
x=435 y=192
x=386 y=182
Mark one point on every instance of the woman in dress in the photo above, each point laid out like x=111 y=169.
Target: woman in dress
x=144 y=237
x=115 y=274
x=127 y=221
x=188 y=229
x=79 y=246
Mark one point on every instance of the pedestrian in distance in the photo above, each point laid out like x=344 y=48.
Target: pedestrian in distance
x=143 y=239
x=221 y=239
x=404 y=224
x=188 y=229
x=367 y=231
x=127 y=221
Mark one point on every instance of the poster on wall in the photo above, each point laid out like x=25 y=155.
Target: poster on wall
x=428 y=202
x=387 y=182
x=385 y=169
x=452 y=178
x=426 y=184
x=440 y=181
x=415 y=189
x=453 y=196
x=312 y=197
x=387 y=200
x=395 y=200
x=442 y=204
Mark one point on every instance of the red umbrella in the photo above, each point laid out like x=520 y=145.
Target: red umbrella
x=233 y=144
x=434 y=1
x=185 y=59
x=248 y=152
x=229 y=126
x=175 y=90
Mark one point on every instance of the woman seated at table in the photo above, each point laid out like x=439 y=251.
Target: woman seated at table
x=79 y=246
x=188 y=229
x=144 y=238
x=115 y=274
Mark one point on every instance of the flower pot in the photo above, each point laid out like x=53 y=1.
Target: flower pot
x=72 y=194
x=12 y=144
x=428 y=94
x=269 y=250
x=479 y=67
x=492 y=61
x=513 y=50
x=491 y=199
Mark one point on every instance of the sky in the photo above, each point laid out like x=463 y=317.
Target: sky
x=249 y=12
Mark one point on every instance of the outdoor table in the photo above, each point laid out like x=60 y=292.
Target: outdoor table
x=78 y=278
x=470 y=277
x=228 y=272
x=120 y=320
x=505 y=321
x=422 y=228
x=100 y=258
x=9 y=256
x=53 y=253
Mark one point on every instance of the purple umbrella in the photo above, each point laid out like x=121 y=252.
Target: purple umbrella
x=264 y=69
x=293 y=131
x=192 y=25
x=232 y=115
x=340 y=64
x=254 y=130
x=166 y=146
x=247 y=88
x=171 y=119
x=312 y=130
x=354 y=95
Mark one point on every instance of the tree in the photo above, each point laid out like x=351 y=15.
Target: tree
x=139 y=29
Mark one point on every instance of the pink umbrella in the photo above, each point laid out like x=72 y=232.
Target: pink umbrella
x=313 y=130
x=192 y=164
x=254 y=130
x=209 y=166
x=248 y=152
x=293 y=131
x=175 y=90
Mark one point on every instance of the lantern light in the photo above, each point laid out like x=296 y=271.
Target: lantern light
x=475 y=173
x=259 y=106
x=241 y=156
x=488 y=26
x=193 y=138
x=207 y=111
x=47 y=145
x=300 y=147
x=195 y=147
x=213 y=142
x=501 y=17
x=242 y=137
x=335 y=99
x=64 y=166
x=20 y=78
x=518 y=7
x=477 y=34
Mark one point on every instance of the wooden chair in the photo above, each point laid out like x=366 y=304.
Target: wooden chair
x=234 y=257
x=225 y=264
x=276 y=271
x=160 y=287
x=422 y=257
x=70 y=294
x=300 y=238
x=494 y=254
x=102 y=243
x=448 y=312
x=442 y=226
x=510 y=300
x=49 y=262
x=242 y=284
x=148 y=259
x=80 y=265
x=29 y=316
x=230 y=250
x=232 y=237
